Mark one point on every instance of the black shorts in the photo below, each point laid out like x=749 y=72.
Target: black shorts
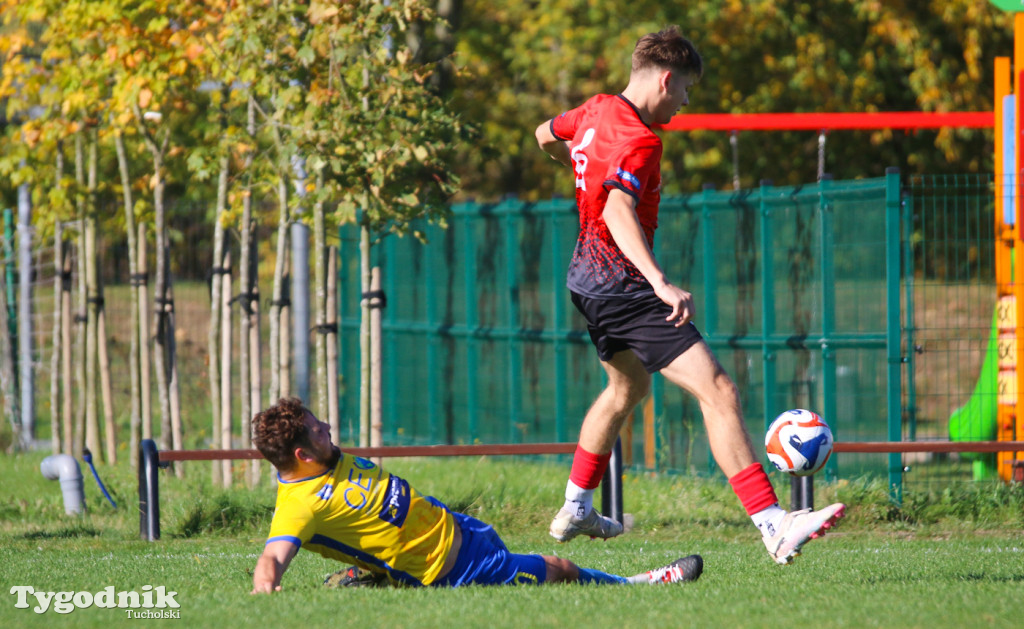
x=638 y=324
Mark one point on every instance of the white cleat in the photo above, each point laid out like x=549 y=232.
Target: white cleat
x=566 y=526
x=798 y=527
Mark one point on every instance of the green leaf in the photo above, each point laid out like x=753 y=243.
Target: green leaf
x=306 y=55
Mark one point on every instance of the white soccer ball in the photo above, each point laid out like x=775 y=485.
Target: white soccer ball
x=798 y=442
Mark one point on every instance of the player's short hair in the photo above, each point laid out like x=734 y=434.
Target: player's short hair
x=277 y=431
x=667 y=50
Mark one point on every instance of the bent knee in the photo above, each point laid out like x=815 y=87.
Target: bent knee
x=722 y=395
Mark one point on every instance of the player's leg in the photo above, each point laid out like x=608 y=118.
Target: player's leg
x=681 y=570
x=628 y=383
x=698 y=371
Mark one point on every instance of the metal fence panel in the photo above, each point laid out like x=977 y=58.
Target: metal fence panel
x=482 y=344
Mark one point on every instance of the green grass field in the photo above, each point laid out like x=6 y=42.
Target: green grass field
x=944 y=559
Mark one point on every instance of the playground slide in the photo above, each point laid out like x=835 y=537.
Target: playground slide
x=976 y=420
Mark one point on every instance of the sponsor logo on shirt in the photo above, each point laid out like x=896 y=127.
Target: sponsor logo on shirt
x=396 y=501
x=628 y=177
x=580 y=158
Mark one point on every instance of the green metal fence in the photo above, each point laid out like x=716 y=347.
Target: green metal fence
x=798 y=291
x=950 y=297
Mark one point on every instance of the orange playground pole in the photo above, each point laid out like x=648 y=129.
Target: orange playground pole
x=1004 y=273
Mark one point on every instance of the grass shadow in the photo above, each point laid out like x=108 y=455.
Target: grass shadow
x=67 y=532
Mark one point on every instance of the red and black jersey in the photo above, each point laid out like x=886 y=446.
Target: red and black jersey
x=611 y=147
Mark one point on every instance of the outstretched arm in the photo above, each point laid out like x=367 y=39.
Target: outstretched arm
x=557 y=149
x=620 y=217
x=271 y=565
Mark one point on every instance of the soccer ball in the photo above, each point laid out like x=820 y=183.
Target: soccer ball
x=798 y=442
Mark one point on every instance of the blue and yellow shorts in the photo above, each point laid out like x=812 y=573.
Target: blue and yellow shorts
x=484 y=560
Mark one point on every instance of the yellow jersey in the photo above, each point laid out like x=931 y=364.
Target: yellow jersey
x=358 y=513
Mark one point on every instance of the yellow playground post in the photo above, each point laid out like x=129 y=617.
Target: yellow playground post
x=1009 y=157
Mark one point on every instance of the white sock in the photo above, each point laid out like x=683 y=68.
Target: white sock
x=639 y=579
x=578 y=500
x=769 y=519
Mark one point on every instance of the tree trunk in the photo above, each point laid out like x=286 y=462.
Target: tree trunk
x=135 y=421
x=162 y=308
x=320 y=286
x=79 y=334
x=66 y=361
x=145 y=337
x=376 y=421
x=87 y=282
x=166 y=367
x=225 y=367
x=248 y=329
x=364 y=338
x=332 y=343
x=106 y=393
x=173 y=388
x=277 y=303
x=286 y=334
x=92 y=428
x=96 y=307
x=216 y=311
x=57 y=422
x=255 y=357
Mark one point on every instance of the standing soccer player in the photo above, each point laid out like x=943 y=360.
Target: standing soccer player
x=638 y=320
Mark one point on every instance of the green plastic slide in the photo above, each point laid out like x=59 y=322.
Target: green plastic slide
x=976 y=420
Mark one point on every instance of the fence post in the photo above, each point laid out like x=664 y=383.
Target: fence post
x=611 y=485
x=894 y=358
x=472 y=322
x=801 y=492
x=149 y=491
x=768 y=356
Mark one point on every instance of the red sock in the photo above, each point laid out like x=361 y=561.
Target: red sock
x=753 y=488
x=588 y=468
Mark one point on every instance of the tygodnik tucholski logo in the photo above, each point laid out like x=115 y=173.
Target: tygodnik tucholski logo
x=151 y=602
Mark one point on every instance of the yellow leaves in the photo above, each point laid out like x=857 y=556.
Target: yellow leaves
x=320 y=12
x=30 y=135
x=145 y=98
x=123 y=119
x=194 y=50
x=320 y=96
x=74 y=101
x=242 y=149
x=15 y=42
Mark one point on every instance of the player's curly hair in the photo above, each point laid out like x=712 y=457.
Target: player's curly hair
x=277 y=431
x=669 y=50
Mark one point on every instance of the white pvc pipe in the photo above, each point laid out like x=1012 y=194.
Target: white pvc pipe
x=65 y=468
x=26 y=369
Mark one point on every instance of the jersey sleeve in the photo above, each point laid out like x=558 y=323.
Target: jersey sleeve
x=293 y=522
x=563 y=127
x=635 y=170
